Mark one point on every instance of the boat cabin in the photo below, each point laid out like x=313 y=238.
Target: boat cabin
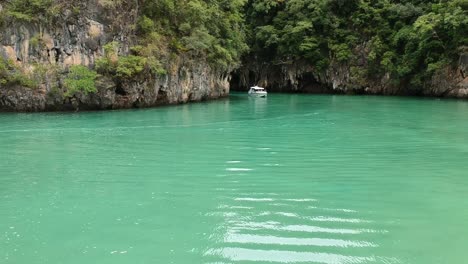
x=257 y=89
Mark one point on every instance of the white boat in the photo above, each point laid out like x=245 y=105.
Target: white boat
x=257 y=91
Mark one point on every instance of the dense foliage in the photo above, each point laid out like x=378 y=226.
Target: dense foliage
x=80 y=79
x=37 y=11
x=11 y=74
x=408 y=39
x=211 y=29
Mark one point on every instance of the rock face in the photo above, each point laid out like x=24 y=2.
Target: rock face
x=17 y=98
x=188 y=83
x=299 y=77
x=78 y=39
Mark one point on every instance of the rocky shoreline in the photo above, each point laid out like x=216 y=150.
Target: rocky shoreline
x=46 y=49
x=183 y=86
x=449 y=82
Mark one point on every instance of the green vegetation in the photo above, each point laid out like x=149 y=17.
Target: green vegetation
x=211 y=30
x=80 y=79
x=37 y=11
x=198 y=30
x=129 y=66
x=409 y=40
x=125 y=67
x=29 y=10
x=10 y=75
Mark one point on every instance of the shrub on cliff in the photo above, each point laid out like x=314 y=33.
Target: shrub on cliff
x=128 y=67
x=29 y=10
x=80 y=79
x=11 y=74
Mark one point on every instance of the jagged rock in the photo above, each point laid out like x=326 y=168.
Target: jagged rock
x=21 y=99
x=73 y=40
x=463 y=65
x=343 y=78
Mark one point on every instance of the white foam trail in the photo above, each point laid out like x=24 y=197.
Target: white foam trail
x=337 y=219
x=240 y=207
x=254 y=199
x=271 y=165
x=300 y=200
x=238 y=169
x=288 y=214
x=340 y=210
x=234 y=207
x=233 y=161
x=263 y=148
x=333 y=209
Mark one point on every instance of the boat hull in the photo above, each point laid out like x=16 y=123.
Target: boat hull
x=262 y=95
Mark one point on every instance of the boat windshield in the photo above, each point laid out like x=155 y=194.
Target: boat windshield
x=258 y=89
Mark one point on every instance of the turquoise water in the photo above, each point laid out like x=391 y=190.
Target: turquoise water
x=287 y=179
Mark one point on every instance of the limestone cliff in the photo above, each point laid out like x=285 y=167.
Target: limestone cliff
x=46 y=49
x=300 y=77
x=150 y=53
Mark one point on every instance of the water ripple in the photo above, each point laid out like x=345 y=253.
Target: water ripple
x=242 y=181
x=271 y=225
x=283 y=256
x=275 y=240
